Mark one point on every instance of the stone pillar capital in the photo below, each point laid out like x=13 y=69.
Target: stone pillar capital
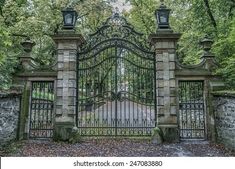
x=68 y=37
x=161 y=39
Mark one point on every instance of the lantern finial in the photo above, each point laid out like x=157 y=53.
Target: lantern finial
x=162 y=15
x=27 y=45
x=206 y=44
x=69 y=18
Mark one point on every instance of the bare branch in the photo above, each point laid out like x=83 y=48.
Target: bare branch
x=209 y=12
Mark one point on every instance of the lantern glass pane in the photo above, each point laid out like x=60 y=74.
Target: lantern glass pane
x=68 y=19
x=163 y=19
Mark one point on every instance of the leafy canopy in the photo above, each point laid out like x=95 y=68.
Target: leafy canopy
x=39 y=19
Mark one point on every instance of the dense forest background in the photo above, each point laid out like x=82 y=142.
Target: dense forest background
x=39 y=19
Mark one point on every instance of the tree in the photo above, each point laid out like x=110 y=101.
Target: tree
x=39 y=20
x=194 y=19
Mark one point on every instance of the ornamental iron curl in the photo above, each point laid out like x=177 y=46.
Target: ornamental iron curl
x=116 y=28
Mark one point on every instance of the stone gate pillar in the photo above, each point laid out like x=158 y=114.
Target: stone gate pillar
x=164 y=43
x=68 y=44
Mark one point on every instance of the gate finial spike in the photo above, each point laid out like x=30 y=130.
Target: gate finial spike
x=116 y=11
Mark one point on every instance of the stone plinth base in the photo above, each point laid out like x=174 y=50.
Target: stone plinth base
x=170 y=133
x=63 y=128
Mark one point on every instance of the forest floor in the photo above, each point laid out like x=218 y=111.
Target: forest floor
x=114 y=148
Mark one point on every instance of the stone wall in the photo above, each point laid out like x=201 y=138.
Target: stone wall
x=9 y=116
x=224 y=109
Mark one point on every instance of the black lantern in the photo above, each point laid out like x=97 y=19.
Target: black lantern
x=69 y=18
x=206 y=44
x=162 y=16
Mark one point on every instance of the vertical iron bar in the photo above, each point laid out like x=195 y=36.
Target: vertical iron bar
x=116 y=74
x=77 y=89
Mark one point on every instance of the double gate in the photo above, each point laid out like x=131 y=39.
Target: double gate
x=116 y=83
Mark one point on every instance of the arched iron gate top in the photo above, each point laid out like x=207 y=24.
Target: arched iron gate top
x=116 y=28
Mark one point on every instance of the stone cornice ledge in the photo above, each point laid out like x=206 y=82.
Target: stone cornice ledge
x=68 y=35
x=224 y=93
x=164 y=35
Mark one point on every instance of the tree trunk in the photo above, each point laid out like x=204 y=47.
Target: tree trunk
x=209 y=12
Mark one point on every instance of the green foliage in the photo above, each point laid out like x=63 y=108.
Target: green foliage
x=75 y=136
x=10 y=148
x=39 y=19
x=194 y=19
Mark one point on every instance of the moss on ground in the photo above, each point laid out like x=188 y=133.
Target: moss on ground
x=10 y=148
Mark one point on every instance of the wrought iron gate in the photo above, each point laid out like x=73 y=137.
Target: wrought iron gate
x=191 y=110
x=41 y=112
x=116 y=82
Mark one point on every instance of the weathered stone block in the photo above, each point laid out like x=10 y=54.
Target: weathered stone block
x=159 y=66
x=173 y=91
x=172 y=65
x=73 y=56
x=165 y=58
x=72 y=92
x=160 y=83
x=72 y=110
x=160 y=75
x=166 y=76
x=159 y=45
x=172 y=74
x=173 y=101
x=59 y=83
x=160 y=100
x=72 y=101
x=60 y=75
x=173 y=110
x=157 y=136
x=172 y=83
x=171 y=57
x=59 y=111
x=167 y=119
x=59 y=100
x=166 y=100
x=170 y=133
x=159 y=57
x=59 y=92
x=166 y=92
x=9 y=116
x=171 y=44
x=67 y=44
x=166 y=84
x=161 y=92
x=70 y=66
x=72 y=83
x=66 y=83
x=60 y=65
x=65 y=92
x=161 y=110
x=63 y=128
x=165 y=44
x=60 y=58
x=225 y=120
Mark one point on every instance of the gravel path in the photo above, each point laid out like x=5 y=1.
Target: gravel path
x=117 y=147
